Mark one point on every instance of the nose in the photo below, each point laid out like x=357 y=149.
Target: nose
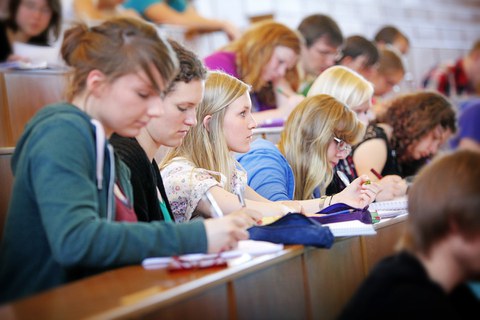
x=253 y=123
x=155 y=108
x=191 y=119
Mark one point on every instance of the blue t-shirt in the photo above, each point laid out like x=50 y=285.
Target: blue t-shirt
x=141 y=5
x=268 y=171
x=468 y=123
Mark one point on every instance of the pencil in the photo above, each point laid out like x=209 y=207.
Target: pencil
x=279 y=90
x=375 y=172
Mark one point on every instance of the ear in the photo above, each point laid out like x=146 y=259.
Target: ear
x=95 y=82
x=206 y=122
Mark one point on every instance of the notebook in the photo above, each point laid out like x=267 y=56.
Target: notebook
x=395 y=204
x=391 y=208
x=351 y=228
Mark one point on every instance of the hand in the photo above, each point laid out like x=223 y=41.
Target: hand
x=391 y=186
x=14 y=57
x=359 y=193
x=224 y=233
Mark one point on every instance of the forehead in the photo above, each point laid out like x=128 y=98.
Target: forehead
x=242 y=102
x=323 y=43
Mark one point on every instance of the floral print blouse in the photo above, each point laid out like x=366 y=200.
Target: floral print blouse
x=186 y=184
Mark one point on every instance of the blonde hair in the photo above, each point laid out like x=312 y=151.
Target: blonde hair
x=208 y=149
x=306 y=137
x=344 y=84
x=255 y=48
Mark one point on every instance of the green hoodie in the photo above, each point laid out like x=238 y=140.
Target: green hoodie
x=60 y=224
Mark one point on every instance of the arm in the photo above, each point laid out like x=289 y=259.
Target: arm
x=363 y=159
x=69 y=207
x=160 y=12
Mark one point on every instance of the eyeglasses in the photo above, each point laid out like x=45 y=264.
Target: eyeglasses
x=342 y=146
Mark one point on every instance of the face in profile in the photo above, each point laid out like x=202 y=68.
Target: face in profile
x=430 y=143
x=33 y=17
x=282 y=60
x=238 y=124
x=179 y=114
x=384 y=83
x=127 y=104
x=319 y=56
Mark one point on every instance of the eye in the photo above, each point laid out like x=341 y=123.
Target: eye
x=143 y=95
x=243 y=113
x=181 y=109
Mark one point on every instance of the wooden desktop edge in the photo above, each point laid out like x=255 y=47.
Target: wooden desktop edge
x=148 y=299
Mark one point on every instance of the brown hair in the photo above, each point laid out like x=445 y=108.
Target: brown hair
x=317 y=26
x=255 y=48
x=444 y=197
x=191 y=67
x=117 y=47
x=388 y=35
x=306 y=136
x=412 y=116
x=390 y=62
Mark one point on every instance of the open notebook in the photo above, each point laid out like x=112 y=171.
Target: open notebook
x=351 y=228
x=391 y=208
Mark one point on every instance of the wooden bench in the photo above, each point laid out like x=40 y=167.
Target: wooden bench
x=22 y=94
x=6 y=183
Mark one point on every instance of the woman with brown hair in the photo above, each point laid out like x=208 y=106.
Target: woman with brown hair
x=413 y=128
x=264 y=55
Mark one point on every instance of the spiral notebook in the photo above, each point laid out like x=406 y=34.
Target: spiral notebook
x=351 y=228
x=391 y=208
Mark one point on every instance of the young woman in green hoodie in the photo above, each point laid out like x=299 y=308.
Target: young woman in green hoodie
x=69 y=215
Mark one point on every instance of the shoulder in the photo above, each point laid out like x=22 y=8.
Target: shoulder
x=222 y=60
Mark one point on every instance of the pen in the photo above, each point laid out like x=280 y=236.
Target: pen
x=343 y=177
x=375 y=172
x=280 y=90
x=340 y=212
x=239 y=191
x=215 y=210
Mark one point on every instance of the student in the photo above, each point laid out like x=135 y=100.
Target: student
x=413 y=127
x=92 y=11
x=181 y=12
x=458 y=80
x=392 y=36
x=353 y=90
x=468 y=136
x=180 y=102
x=69 y=214
x=360 y=55
x=385 y=78
x=204 y=161
x=441 y=250
x=316 y=136
x=323 y=40
x=29 y=21
x=263 y=56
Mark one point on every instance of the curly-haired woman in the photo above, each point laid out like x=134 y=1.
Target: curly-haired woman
x=413 y=128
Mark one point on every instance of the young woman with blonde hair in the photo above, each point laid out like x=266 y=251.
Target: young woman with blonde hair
x=317 y=134
x=265 y=54
x=350 y=88
x=204 y=161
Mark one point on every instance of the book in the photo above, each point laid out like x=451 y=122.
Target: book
x=351 y=228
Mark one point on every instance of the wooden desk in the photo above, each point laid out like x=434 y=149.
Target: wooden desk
x=22 y=93
x=296 y=283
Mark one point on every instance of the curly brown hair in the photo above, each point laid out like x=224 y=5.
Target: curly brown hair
x=413 y=116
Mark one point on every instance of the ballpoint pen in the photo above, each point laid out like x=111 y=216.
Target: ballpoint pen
x=215 y=211
x=280 y=90
x=343 y=177
x=240 y=194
